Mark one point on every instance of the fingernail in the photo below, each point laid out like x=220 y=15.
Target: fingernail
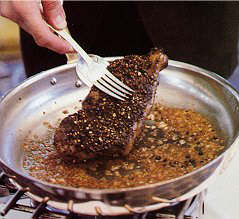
x=70 y=48
x=60 y=22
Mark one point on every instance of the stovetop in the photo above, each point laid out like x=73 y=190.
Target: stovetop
x=21 y=206
x=26 y=208
x=23 y=210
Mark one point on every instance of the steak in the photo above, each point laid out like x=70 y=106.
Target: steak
x=106 y=126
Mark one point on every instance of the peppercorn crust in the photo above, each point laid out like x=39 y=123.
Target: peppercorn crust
x=106 y=126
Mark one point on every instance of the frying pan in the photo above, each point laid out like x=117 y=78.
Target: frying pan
x=44 y=96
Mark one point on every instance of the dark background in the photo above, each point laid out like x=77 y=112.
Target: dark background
x=200 y=33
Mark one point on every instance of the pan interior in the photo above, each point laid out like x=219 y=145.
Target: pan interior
x=38 y=102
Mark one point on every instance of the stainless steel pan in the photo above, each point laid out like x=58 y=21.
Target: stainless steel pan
x=43 y=98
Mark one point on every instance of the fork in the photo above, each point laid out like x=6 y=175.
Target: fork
x=93 y=71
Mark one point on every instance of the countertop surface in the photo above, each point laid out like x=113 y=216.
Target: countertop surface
x=222 y=198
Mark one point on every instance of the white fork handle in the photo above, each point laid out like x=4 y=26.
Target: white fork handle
x=74 y=44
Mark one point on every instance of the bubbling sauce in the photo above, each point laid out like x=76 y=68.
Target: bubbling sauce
x=173 y=142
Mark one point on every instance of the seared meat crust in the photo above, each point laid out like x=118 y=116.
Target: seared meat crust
x=106 y=126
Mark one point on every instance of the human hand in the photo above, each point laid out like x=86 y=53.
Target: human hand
x=27 y=15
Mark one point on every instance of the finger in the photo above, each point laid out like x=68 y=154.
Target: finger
x=47 y=39
x=36 y=26
x=54 y=13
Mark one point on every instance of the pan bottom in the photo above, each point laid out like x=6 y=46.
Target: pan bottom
x=174 y=142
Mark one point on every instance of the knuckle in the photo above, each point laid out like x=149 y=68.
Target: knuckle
x=41 y=41
x=51 y=5
x=11 y=11
x=4 y=12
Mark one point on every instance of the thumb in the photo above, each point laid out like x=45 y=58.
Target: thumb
x=54 y=13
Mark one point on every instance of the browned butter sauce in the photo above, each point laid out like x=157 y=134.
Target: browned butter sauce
x=173 y=142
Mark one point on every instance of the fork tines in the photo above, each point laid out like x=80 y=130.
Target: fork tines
x=113 y=86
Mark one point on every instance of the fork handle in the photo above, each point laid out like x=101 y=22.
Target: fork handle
x=63 y=33
x=71 y=57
